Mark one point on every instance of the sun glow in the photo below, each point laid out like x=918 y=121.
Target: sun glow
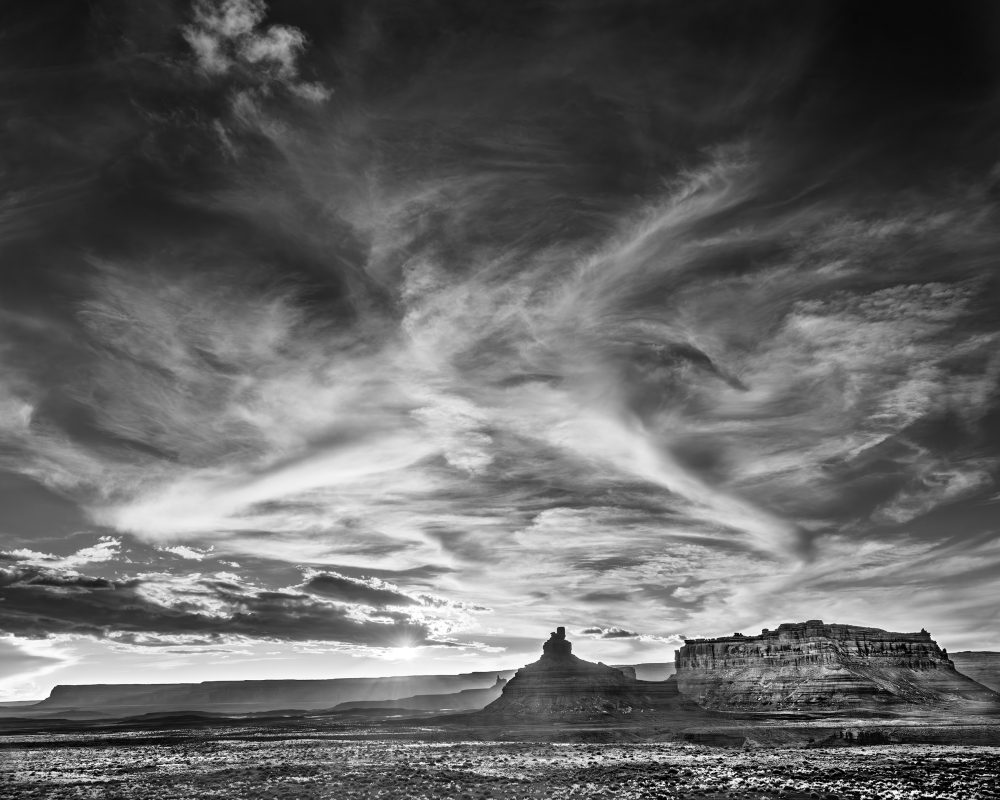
x=405 y=652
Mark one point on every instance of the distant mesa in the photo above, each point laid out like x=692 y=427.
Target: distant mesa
x=465 y=700
x=244 y=697
x=816 y=665
x=801 y=667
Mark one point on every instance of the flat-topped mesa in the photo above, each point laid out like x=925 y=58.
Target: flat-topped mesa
x=814 y=642
x=814 y=663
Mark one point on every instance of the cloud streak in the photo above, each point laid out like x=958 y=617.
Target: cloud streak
x=41 y=601
x=347 y=298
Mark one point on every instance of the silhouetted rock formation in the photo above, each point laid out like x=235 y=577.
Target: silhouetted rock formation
x=560 y=684
x=557 y=645
x=811 y=664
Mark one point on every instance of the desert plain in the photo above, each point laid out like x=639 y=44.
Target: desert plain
x=429 y=762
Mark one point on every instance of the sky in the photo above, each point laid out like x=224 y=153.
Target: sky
x=368 y=337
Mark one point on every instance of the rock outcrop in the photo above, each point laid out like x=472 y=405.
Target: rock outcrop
x=815 y=665
x=562 y=685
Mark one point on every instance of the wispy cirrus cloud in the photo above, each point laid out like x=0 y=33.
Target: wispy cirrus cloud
x=25 y=665
x=505 y=335
x=417 y=438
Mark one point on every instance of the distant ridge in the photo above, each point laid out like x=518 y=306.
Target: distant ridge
x=232 y=697
x=465 y=700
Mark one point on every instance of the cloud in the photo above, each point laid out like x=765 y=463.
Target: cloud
x=19 y=663
x=25 y=665
x=935 y=484
x=902 y=583
x=609 y=633
x=108 y=548
x=227 y=35
x=485 y=345
x=535 y=412
x=605 y=597
x=351 y=590
x=190 y=553
x=38 y=602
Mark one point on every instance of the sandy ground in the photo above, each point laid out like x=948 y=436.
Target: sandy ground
x=191 y=766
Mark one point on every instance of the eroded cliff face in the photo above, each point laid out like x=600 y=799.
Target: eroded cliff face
x=812 y=664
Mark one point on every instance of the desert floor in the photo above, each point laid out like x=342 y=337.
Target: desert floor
x=193 y=765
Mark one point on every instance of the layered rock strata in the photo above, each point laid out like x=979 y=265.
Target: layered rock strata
x=560 y=684
x=812 y=664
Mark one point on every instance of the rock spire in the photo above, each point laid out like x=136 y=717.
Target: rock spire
x=560 y=684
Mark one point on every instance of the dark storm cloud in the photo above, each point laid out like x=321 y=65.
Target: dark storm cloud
x=611 y=563
x=511 y=298
x=604 y=597
x=609 y=633
x=36 y=603
x=350 y=590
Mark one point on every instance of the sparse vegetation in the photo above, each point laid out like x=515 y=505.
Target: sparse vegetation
x=195 y=766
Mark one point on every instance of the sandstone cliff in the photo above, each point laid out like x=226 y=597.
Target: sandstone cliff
x=812 y=664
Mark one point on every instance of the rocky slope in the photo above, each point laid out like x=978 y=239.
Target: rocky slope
x=980 y=665
x=814 y=665
x=562 y=685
